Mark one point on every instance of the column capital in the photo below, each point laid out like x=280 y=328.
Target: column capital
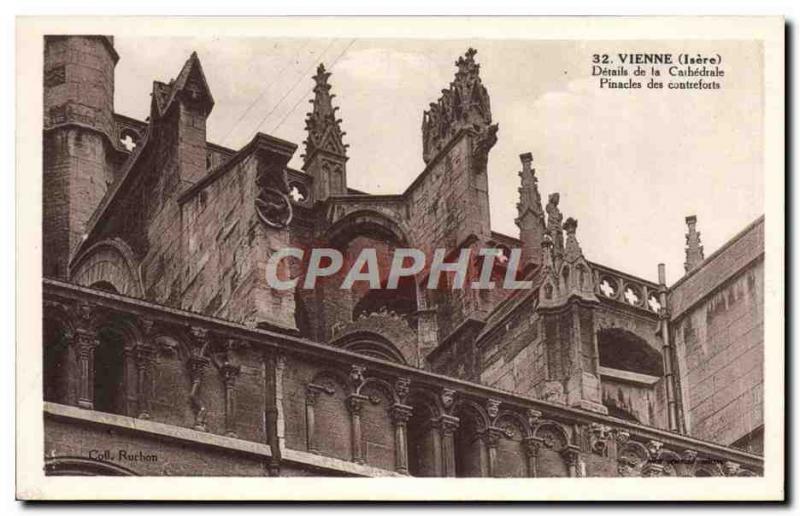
x=570 y=455
x=230 y=372
x=448 y=424
x=653 y=469
x=145 y=354
x=532 y=446
x=400 y=413
x=148 y=325
x=492 y=435
x=355 y=403
x=85 y=341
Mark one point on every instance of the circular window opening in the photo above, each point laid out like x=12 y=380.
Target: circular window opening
x=298 y=192
x=632 y=296
x=608 y=287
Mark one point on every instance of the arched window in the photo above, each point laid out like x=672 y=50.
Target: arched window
x=104 y=285
x=57 y=366
x=371 y=344
x=401 y=301
x=109 y=373
x=81 y=466
x=422 y=442
x=470 y=451
x=625 y=351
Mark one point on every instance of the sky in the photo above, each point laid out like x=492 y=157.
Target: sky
x=629 y=165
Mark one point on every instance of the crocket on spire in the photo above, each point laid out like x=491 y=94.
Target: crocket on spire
x=324 y=129
x=325 y=152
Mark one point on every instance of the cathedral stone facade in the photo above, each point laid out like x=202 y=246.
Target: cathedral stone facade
x=166 y=351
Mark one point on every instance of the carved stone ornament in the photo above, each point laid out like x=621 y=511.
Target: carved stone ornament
x=623 y=436
x=598 y=438
x=689 y=456
x=401 y=388
x=448 y=398
x=274 y=208
x=534 y=417
x=357 y=377
x=654 y=447
x=493 y=408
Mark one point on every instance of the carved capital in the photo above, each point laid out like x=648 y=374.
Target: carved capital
x=448 y=425
x=400 y=414
x=313 y=391
x=731 y=468
x=570 y=454
x=85 y=342
x=199 y=334
x=623 y=436
x=312 y=394
x=532 y=446
x=147 y=325
x=230 y=373
x=145 y=355
x=355 y=403
x=653 y=469
x=493 y=436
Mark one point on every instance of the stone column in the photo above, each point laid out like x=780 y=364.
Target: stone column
x=531 y=445
x=312 y=392
x=145 y=361
x=197 y=369
x=435 y=429
x=449 y=424
x=492 y=438
x=85 y=342
x=571 y=455
x=400 y=415
x=355 y=403
x=666 y=351
x=229 y=374
x=197 y=366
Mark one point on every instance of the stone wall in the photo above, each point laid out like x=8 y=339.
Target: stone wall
x=513 y=354
x=718 y=321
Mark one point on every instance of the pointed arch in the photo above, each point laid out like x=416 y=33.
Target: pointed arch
x=370 y=344
x=108 y=262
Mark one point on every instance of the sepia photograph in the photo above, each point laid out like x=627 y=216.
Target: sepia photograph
x=261 y=251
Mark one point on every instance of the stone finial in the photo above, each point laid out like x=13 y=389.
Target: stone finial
x=324 y=129
x=572 y=249
x=463 y=105
x=530 y=215
x=694 y=251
